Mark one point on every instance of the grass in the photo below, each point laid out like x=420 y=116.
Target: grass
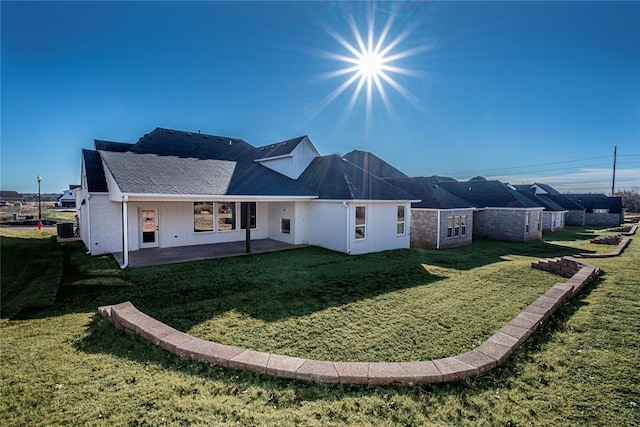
x=65 y=365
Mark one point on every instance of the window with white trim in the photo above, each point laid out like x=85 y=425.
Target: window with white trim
x=463 y=225
x=202 y=216
x=226 y=216
x=540 y=220
x=456 y=227
x=285 y=225
x=361 y=222
x=400 y=221
x=527 y=220
x=449 y=227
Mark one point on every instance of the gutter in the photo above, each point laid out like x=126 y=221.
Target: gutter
x=125 y=232
x=348 y=228
x=86 y=204
x=438 y=232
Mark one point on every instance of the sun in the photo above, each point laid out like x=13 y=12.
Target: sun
x=371 y=61
x=370 y=64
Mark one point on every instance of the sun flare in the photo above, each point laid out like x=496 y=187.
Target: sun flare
x=371 y=61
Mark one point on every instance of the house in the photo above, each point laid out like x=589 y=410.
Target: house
x=68 y=198
x=600 y=210
x=502 y=213
x=440 y=220
x=553 y=216
x=174 y=188
x=589 y=209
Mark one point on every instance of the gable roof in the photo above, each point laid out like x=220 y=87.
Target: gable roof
x=169 y=162
x=431 y=194
x=281 y=148
x=373 y=164
x=485 y=194
x=154 y=174
x=332 y=177
x=96 y=180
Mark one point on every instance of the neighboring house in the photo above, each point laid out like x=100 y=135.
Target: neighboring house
x=174 y=188
x=10 y=197
x=68 y=198
x=502 y=213
x=600 y=210
x=440 y=220
x=553 y=216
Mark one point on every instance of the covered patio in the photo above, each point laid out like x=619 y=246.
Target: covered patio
x=159 y=256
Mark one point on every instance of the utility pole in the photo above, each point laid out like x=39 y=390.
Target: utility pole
x=39 y=178
x=613 y=183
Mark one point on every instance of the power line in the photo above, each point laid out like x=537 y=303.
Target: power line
x=528 y=166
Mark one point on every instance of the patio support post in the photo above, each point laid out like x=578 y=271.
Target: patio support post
x=247 y=231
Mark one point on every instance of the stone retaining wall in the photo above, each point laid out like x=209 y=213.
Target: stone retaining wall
x=492 y=353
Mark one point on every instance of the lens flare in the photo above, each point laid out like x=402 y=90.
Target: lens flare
x=370 y=62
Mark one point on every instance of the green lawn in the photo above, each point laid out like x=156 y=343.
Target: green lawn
x=65 y=365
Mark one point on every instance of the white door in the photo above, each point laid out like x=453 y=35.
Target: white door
x=148 y=228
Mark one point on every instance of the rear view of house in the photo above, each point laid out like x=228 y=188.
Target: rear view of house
x=174 y=188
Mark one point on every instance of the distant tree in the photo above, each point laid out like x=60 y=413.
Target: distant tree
x=630 y=199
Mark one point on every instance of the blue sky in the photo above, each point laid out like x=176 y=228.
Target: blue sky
x=519 y=91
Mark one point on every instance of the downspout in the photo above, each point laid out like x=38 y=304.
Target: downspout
x=86 y=205
x=348 y=228
x=438 y=232
x=125 y=232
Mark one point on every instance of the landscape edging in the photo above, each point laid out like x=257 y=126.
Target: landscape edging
x=489 y=355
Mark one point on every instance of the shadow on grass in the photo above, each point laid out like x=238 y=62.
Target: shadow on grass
x=102 y=337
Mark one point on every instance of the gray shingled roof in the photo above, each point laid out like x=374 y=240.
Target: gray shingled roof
x=151 y=173
x=332 y=177
x=169 y=142
x=168 y=162
x=484 y=194
x=597 y=201
x=373 y=164
x=430 y=192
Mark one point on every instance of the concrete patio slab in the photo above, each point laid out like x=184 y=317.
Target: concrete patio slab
x=160 y=256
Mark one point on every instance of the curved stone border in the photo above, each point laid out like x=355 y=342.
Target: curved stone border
x=493 y=352
x=621 y=240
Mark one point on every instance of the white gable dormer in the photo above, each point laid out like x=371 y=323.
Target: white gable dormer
x=538 y=190
x=289 y=158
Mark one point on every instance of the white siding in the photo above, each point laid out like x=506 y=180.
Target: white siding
x=326 y=223
x=295 y=212
x=175 y=225
x=105 y=218
x=328 y=226
x=381 y=228
x=294 y=164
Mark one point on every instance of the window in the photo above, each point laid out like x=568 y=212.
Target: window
x=243 y=213
x=449 y=227
x=400 y=227
x=456 y=229
x=601 y=211
x=202 y=216
x=226 y=216
x=361 y=213
x=463 y=225
x=527 y=220
x=540 y=220
x=285 y=226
